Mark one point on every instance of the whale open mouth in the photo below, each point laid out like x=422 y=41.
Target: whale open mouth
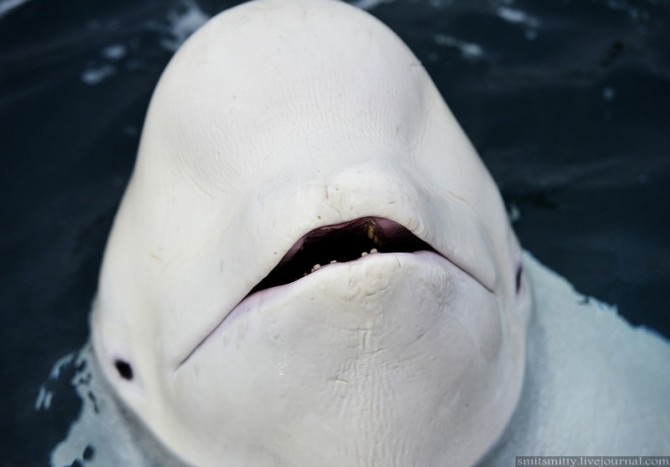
x=341 y=243
x=337 y=243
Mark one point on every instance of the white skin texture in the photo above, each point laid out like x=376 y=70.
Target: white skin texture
x=276 y=118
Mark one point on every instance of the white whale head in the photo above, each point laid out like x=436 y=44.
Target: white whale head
x=284 y=134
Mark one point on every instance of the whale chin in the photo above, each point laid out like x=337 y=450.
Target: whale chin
x=356 y=358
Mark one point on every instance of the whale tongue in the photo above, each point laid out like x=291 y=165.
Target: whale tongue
x=341 y=243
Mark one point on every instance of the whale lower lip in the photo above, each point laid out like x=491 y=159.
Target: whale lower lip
x=280 y=292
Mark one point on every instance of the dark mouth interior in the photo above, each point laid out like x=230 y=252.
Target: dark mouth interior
x=341 y=243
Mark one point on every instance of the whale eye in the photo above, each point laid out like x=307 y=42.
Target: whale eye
x=124 y=369
x=519 y=271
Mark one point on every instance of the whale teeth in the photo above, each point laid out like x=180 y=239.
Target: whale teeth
x=318 y=266
x=371 y=231
x=371 y=252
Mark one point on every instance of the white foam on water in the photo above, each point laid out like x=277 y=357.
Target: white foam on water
x=514 y=16
x=513 y=213
x=43 y=401
x=520 y=18
x=60 y=364
x=114 y=52
x=96 y=74
x=104 y=433
x=182 y=21
x=98 y=70
x=8 y=5
x=469 y=50
x=45 y=396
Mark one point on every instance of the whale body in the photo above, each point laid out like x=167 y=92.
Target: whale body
x=312 y=266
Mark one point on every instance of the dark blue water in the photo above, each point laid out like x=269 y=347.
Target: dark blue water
x=568 y=102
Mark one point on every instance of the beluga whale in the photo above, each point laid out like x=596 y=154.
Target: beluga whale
x=312 y=266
